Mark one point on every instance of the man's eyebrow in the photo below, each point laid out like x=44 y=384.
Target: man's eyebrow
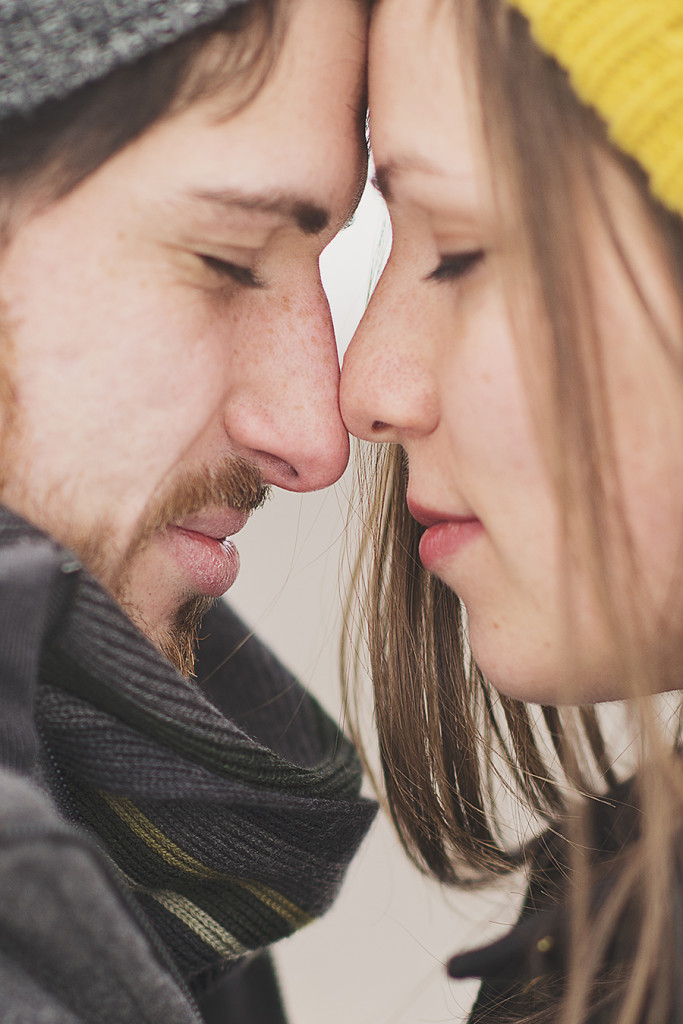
x=385 y=173
x=309 y=217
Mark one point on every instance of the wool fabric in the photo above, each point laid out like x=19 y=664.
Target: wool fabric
x=231 y=832
x=49 y=48
x=624 y=58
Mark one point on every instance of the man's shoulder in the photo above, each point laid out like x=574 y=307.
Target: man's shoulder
x=71 y=947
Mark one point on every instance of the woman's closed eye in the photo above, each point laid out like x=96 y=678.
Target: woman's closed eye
x=235 y=271
x=454 y=266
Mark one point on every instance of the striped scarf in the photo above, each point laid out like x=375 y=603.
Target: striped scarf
x=232 y=819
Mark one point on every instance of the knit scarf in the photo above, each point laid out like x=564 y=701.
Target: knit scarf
x=232 y=819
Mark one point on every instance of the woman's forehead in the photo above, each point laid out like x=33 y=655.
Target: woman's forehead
x=414 y=63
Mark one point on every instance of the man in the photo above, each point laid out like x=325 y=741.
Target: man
x=170 y=171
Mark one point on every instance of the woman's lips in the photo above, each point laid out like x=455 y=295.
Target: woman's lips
x=445 y=535
x=443 y=541
x=202 y=546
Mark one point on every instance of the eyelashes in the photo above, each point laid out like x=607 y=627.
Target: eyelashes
x=452 y=267
x=234 y=271
x=455 y=266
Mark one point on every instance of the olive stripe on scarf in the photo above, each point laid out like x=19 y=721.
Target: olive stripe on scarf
x=176 y=857
x=205 y=927
x=208 y=930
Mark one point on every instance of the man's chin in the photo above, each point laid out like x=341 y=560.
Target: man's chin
x=178 y=642
x=143 y=573
x=175 y=636
x=151 y=594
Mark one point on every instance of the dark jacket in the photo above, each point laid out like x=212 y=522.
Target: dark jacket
x=151 y=847
x=524 y=972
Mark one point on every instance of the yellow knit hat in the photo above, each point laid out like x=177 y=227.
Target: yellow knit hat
x=625 y=59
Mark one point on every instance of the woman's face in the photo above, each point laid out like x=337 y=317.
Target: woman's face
x=435 y=366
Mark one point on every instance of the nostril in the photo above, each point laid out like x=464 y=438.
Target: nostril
x=275 y=467
x=379 y=426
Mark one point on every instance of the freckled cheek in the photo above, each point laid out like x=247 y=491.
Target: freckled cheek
x=159 y=372
x=179 y=390
x=487 y=411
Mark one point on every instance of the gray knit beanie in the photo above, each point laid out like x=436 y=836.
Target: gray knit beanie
x=48 y=48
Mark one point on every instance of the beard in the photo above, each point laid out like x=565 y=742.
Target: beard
x=178 y=643
x=233 y=482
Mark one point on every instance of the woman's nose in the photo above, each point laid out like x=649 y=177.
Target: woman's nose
x=387 y=389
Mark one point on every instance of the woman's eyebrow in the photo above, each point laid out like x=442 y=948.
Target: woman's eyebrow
x=386 y=172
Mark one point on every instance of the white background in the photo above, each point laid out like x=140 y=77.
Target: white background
x=377 y=957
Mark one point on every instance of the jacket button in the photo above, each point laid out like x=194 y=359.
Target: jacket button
x=545 y=944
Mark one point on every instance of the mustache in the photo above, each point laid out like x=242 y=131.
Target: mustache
x=234 y=482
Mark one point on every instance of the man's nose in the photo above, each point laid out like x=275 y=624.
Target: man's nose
x=388 y=388
x=285 y=414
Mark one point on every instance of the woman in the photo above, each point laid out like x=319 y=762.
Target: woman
x=523 y=357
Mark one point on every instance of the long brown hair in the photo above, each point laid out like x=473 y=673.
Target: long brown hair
x=457 y=757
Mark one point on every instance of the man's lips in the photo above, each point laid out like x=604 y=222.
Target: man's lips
x=216 y=523
x=201 y=546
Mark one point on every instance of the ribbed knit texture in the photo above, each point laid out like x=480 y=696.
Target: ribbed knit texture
x=23 y=623
x=229 y=839
x=625 y=59
x=48 y=48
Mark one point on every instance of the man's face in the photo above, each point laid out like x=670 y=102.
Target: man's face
x=171 y=344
